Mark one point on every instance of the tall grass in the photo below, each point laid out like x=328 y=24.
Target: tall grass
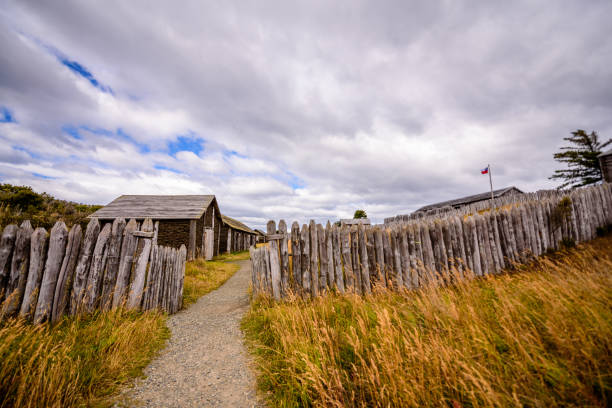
x=541 y=337
x=80 y=361
x=202 y=277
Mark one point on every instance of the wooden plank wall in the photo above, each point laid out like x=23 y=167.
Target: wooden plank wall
x=406 y=255
x=46 y=276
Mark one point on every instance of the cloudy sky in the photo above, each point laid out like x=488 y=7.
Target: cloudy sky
x=297 y=110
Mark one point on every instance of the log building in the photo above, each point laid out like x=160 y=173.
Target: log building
x=193 y=220
x=235 y=236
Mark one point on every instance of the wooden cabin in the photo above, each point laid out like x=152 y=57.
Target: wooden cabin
x=235 y=236
x=192 y=220
x=260 y=236
x=461 y=202
x=605 y=161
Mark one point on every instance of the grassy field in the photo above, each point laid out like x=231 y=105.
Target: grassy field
x=202 y=277
x=80 y=361
x=541 y=337
x=84 y=361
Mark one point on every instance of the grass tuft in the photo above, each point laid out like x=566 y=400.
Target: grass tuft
x=541 y=337
x=79 y=361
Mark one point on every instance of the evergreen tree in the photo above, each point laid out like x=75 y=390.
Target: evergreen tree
x=581 y=159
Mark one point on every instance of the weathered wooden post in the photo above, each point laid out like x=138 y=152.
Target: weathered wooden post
x=136 y=289
x=96 y=272
x=7 y=242
x=296 y=256
x=126 y=259
x=191 y=251
x=57 y=248
x=305 y=245
x=284 y=257
x=81 y=273
x=19 y=270
x=329 y=249
x=337 y=245
x=314 y=259
x=275 y=270
x=109 y=279
x=323 y=258
x=363 y=255
x=38 y=253
x=61 y=298
x=347 y=261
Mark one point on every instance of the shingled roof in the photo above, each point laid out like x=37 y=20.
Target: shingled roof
x=471 y=199
x=235 y=224
x=159 y=207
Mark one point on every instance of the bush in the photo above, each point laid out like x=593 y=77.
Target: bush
x=19 y=203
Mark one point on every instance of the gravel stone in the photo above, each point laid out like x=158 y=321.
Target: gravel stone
x=205 y=362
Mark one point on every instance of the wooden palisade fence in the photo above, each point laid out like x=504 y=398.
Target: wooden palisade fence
x=406 y=254
x=45 y=276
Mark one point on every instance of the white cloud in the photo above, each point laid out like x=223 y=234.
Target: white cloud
x=307 y=111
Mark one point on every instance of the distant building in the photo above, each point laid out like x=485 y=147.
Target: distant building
x=461 y=202
x=355 y=221
x=605 y=161
x=183 y=219
x=445 y=206
x=261 y=236
x=235 y=236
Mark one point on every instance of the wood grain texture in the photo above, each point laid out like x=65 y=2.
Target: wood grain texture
x=19 y=270
x=38 y=255
x=296 y=257
x=61 y=299
x=7 y=242
x=81 y=273
x=126 y=260
x=93 y=288
x=284 y=258
x=140 y=272
x=337 y=249
x=55 y=256
x=158 y=207
x=314 y=259
x=109 y=279
x=305 y=262
x=323 y=260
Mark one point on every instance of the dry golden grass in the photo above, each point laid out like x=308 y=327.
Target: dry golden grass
x=202 y=277
x=81 y=361
x=541 y=337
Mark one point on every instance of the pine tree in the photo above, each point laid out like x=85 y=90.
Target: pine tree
x=581 y=159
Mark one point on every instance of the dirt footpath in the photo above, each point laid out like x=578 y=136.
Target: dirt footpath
x=205 y=362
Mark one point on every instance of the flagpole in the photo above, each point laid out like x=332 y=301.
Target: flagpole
x=491 y=184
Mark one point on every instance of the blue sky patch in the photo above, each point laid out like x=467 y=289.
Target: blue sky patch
x=189 y=143
x=28 y=152
x=6 y=116
x=72 y=131
x=42 y=176
x=82 y=71
x=160 y=167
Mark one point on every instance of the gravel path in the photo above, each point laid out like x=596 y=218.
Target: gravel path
x=205 y=362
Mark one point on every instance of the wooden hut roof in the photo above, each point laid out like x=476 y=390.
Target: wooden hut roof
x=235 y=224
x=471 y=199
x=159 y=207
x=606 y=153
